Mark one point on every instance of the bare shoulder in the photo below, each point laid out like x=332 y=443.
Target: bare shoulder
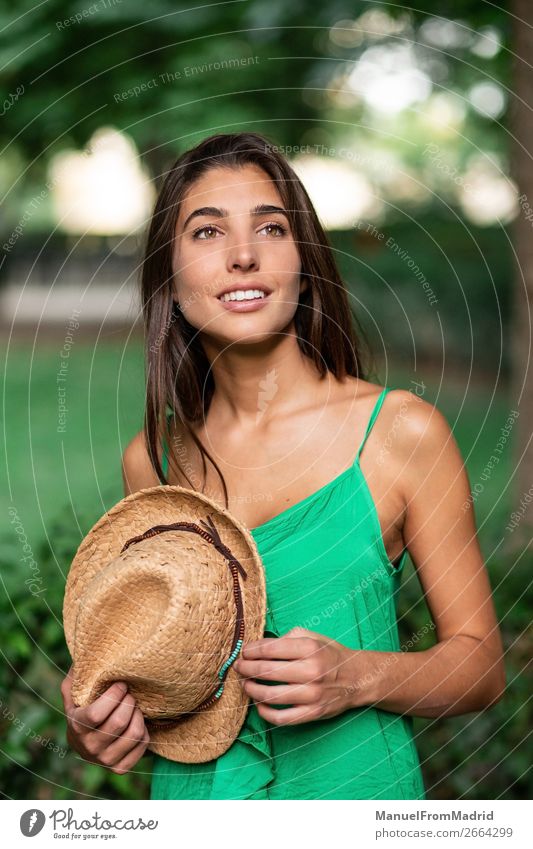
x=420 y=440
x=137 y=470
x=421 y=423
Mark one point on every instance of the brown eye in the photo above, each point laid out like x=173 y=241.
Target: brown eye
x=201 y=230
x=274 y=226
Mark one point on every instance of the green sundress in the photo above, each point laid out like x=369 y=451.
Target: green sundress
x=327 y=570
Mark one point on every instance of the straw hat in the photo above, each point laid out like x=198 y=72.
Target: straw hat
x=161 y=593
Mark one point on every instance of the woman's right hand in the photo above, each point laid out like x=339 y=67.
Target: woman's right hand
x=110 y=731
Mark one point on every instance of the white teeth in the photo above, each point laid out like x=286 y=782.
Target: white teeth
x=248 y=295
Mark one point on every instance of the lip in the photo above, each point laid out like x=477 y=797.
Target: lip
x=245 y=306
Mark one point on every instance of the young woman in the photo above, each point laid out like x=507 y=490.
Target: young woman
x=252 y=348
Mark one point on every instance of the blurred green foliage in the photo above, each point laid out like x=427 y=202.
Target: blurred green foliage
x=86 y=67
x=35 y=661
x=156 y=77
x=468 y=272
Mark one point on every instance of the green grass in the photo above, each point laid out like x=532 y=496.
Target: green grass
x=46 y=470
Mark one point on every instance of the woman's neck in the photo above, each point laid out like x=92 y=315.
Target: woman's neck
x=254 y=383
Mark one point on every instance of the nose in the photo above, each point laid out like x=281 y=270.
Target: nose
x=243 y=255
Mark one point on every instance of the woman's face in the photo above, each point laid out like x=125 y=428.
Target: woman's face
x=232 y=234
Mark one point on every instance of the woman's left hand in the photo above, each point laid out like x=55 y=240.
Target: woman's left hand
x=314 y=667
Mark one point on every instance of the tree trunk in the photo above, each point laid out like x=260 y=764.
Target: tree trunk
x=521 y=117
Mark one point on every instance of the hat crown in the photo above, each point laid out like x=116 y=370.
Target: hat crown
x=155 y=512
x=161 y=613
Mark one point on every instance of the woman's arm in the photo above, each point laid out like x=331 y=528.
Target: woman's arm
x=137 y=470
x=464 y=671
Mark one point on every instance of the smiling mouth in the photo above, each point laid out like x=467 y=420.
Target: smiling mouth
x=247 y=295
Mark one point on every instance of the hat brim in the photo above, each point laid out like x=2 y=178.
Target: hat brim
x=209 y=733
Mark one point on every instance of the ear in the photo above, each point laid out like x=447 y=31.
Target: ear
x=175 y=299
x=304 y=284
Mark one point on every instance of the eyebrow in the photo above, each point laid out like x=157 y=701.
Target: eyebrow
x=215 y=212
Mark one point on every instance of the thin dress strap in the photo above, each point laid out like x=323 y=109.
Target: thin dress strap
x=373 y=417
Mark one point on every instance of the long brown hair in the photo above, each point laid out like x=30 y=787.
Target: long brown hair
x=178 y=373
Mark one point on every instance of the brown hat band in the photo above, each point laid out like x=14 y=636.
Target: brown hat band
x=212 y=536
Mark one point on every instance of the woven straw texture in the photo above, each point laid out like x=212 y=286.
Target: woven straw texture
x=161 y=616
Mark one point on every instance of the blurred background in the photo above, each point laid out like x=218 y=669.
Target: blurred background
x=412 y=132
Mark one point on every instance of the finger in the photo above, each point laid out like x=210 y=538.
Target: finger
x=295 y=694
x=93 y=715
x=287 y=716
x=292 y=672
x=118 y=722
x=111 y=748
x=66 y=688
x=127 y=762
x=280 y=647
x=136 y=734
